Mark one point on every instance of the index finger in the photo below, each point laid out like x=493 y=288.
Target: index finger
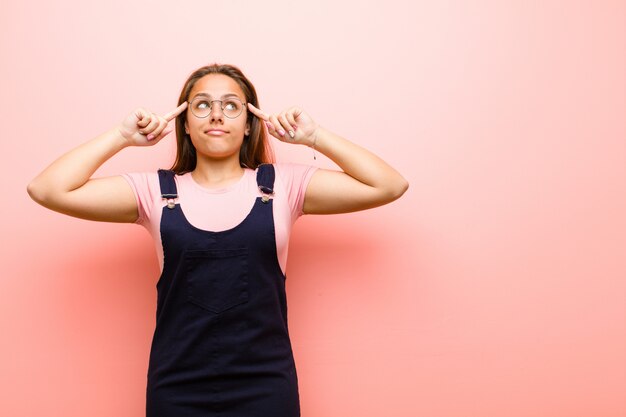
x=178 y=110
x=257 y=112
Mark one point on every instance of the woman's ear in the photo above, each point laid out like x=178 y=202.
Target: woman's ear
x=247 y=131
x=186 y=127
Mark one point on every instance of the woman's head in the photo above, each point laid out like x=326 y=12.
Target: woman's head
x=254 y=149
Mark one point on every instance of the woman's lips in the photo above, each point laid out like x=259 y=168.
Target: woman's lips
x=216 y=132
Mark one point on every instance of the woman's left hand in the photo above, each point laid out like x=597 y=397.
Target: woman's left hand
x=293 y=125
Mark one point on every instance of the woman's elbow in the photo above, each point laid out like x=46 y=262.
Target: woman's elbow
x=396 y=189
x=403 y=186
x=399 y=187
x=37 y=192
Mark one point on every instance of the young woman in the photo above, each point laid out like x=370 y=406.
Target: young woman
x=220 y=219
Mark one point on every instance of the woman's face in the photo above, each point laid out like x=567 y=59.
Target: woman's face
x=216 y=135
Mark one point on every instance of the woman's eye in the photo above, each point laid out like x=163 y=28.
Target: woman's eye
x=202 y=105
x=230 y=105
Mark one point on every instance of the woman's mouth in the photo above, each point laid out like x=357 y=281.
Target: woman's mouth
x=216 y=132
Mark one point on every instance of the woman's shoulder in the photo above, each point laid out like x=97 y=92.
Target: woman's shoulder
x=148 y=183
x=142 y=180
x=293 y=179
x=287 y=174
x=293 y=170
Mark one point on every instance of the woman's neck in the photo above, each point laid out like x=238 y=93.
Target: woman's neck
x=217 y=173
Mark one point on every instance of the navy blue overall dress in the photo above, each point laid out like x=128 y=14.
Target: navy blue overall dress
x=221 y=345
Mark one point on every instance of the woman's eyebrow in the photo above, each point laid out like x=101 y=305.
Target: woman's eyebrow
x=209 y=95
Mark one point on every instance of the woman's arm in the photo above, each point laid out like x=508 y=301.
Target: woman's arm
x=66 y=185
x=366 y=181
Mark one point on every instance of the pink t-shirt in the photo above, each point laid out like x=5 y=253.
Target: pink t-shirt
x=224 y=208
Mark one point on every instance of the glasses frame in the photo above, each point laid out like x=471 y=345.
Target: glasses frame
x=243 y=105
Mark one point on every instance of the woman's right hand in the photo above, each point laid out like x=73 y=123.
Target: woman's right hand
x=144 y=128
x=66 y=185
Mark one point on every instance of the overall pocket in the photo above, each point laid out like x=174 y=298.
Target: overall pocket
x=217 y=280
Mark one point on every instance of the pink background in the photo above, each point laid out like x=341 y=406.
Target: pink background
x=495 y=287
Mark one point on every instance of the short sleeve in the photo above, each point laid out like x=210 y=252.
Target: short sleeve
x=147 y=193
x=295 y=178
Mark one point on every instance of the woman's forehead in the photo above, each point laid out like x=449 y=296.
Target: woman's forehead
x=216 y=86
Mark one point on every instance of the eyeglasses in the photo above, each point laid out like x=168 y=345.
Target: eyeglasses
x=231 y=107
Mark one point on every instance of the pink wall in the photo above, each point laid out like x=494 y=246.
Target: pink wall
x=495 y=287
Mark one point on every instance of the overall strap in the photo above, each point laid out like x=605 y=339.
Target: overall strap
x=265 y=180
x=168 y=187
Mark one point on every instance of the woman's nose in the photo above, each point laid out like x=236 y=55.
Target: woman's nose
x=216 y=112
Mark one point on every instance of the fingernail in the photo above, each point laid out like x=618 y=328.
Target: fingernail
x=281 y=132
x=268 y=125
x=291 y=134
x=150 y=136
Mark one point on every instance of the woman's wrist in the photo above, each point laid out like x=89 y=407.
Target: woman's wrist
x=119 y=138
x=313 y=142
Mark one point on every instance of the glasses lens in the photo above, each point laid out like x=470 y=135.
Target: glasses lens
x=200 y=107
x=231 y=107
